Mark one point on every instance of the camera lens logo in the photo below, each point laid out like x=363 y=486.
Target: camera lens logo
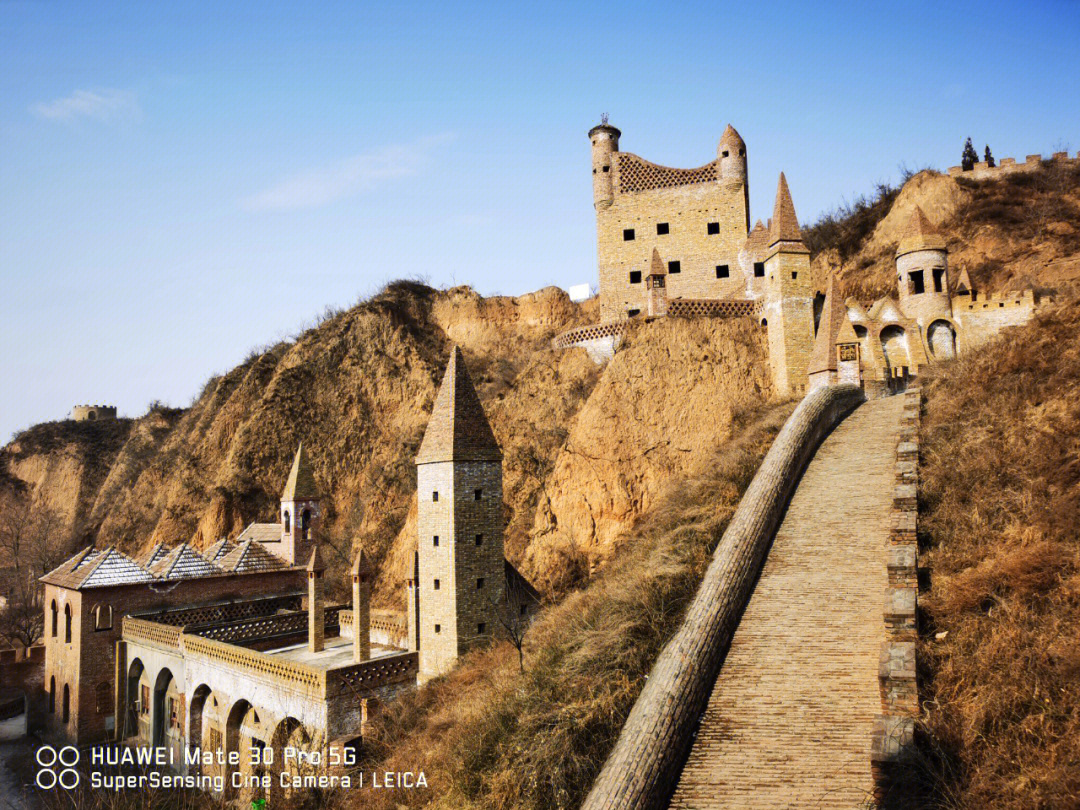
x=57 y=767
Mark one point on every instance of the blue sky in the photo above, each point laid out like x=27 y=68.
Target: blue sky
x=181 y=184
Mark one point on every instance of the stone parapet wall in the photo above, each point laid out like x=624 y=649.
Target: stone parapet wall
x=93 y=413
x=582 y=334
x=983 y=171
x=643 y=768
x=712 y=307
x=894 y=728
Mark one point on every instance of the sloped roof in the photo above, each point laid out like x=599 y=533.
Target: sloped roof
x=301 y=482
x=516 y=582
x=856 y=312
x=97 y=569
x=963 y=284
x=148 y=558
x=784 y=226
x=833 y=315
x=183 y=562
x=656 y=265
x=315 y=561
x=919 y=234
x=260 y=532
x=846 y=333
x=251 y=556
x=885 y=309
x=458 y=430
x=757 y=242
x=219 y=549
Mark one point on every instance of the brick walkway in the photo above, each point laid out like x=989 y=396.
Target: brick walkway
x=791 y=714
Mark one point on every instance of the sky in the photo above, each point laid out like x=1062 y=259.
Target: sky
x=182 y=183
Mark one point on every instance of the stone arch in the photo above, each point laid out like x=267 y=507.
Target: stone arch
x=160 y=714
x=894 y=344
x=863 y=335
x=196 y=708
x=941 y=338
x=92 y=416
x=135 y=706
x=234 y=741
x=290 y=732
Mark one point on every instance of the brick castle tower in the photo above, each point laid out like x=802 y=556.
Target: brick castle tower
x=461 y=577
x=301 y=515
x=922 y=273
x=789 y=297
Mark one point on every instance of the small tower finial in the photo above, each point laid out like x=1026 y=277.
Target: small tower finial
x=604 y=119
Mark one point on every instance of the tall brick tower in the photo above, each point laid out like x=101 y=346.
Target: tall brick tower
x=459 y=525
x=789 y=297
x=301 y=513
x=922 y=271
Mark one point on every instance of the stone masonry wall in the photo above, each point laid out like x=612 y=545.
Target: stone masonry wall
x=687 y=210
x=644 y=765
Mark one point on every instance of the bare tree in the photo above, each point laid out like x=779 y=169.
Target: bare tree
x=32 y=543
x=515 y=613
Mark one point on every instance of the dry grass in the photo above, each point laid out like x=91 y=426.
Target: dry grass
x=488 y=737
x=1001 y=520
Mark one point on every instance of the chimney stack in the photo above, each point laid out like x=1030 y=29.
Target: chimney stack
x=361 y=608
x=316 y=609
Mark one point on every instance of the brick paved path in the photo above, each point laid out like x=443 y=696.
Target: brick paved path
x=791 y=714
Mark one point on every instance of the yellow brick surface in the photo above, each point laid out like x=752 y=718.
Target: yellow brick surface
x=790 y=718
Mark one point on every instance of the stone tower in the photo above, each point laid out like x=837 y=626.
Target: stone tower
x=459 y=526
x=655 y=288
x=731 y=154
x=361 y=607
x=301 y=515
x=316 y=608
x=789 y=297
x=922 y=271
x=605 y=143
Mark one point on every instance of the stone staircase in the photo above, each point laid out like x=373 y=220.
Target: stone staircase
x=791 y=716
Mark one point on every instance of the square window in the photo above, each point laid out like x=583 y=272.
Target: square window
x=794 y=275
x=662 y=229
x=479 y=583
x=674 y=267
x=480 y=628
x=479 y=539
x=633 y=312
x=435 y=541
x=635 y=276
x=917 y=286
x=722 y=271
x=477 y=494
x=607 y=168
x=628 y=234
x=434 y=496
x=712 y=228
x=438 y=628
x=436 y=584
x=759 y=269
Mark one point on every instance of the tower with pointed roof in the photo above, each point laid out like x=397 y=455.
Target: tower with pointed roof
x=655 y=287
x=695 y=219
x=835 y=356
x=789 y=297
x=922 y=273
x=459 y=526
x=301 y=513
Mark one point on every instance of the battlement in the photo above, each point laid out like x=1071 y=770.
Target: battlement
x=983 y=171
x=93 y=413
x=976 y=301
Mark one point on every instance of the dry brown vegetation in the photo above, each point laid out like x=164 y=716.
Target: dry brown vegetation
x=488 y=736
x=1000 y=501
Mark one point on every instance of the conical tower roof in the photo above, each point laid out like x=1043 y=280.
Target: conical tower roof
x=919 y=234
x=361 y=565
x=301 y=483
x=834 y=314
x=731 y=140
x=315 y=561
x=784 y=226
x=847 y=333
x=963 y=284
x=757 y=242
x=656 y=265
x=458 y=430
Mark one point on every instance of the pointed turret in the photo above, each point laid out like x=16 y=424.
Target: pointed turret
x=458 y=429
x=315 y=561
x=919 y=234
x=656 y=287
x=833 y=316
x=784 y=226
x=732 y=141
x=656 y=265
x=300 y=485
x=316 y=608
x=361 y=607
x=963 y=284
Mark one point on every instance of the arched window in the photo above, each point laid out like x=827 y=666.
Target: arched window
x=52 y=695
x=288 y=522
x=67 y=625
x=54 y=618
x=305 y=523
x=103 y=617
x=66 y=711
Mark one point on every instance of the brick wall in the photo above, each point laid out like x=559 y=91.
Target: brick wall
x=643 y=767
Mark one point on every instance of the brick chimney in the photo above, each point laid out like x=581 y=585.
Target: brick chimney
x=361 y=608
x=316 y=609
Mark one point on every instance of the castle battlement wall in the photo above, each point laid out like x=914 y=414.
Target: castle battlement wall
x=977 y=301
x=984 y=171
x=93 y=413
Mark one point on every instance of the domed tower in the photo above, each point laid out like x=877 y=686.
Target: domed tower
x=922 y=271
x=605 y=143
x=731 y=155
